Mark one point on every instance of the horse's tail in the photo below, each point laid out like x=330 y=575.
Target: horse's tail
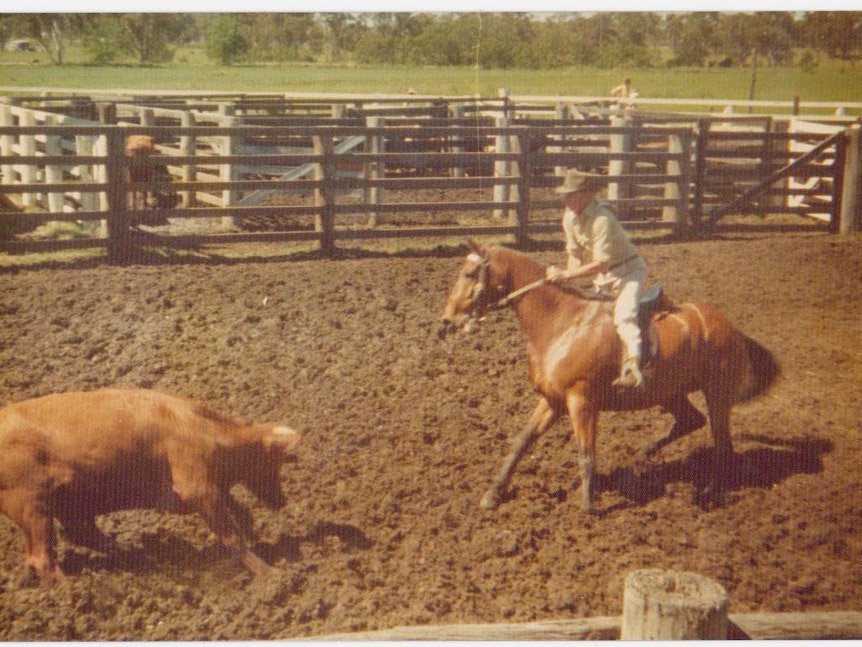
x=762 y=371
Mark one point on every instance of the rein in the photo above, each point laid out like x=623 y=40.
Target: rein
x=477 y=312
x=506 y=300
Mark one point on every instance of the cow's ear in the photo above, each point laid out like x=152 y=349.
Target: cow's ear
x=475 y=247
x=285 y=438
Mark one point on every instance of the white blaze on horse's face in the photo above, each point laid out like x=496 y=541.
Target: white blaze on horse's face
x=478 y=286
x=463 y=301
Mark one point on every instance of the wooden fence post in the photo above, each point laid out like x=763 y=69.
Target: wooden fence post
x=229 y=172
x=620 y=143
x=521 y=145
x=457 y=139
x=119 y=235
x=324 y=195
x=188 y=147
x=702 y=142
x=147 y=117
x=851 y=200
x=778 y=148
x=676 y=189
x=669 y=605
x=501 y=167
x=100 y=148
x=838 y=176
x=107 y=116
x=376 y=170
x=7 y=144
x=561 y=113
x=27 y=148
x=107 y=113
x=84 y=146
x=53 y=172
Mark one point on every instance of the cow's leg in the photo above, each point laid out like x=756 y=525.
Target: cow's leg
x=585 y=417
x=216 y=513
x=542 y=417
x=34 y=517
x=240 y=514
x=686 y=419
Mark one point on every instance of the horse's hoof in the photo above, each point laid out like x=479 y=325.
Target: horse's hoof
x=490 y=501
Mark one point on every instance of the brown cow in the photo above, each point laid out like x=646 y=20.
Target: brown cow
x=139 y=148
x=77 y=455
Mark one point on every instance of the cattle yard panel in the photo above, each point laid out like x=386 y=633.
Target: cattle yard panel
x=307 y=176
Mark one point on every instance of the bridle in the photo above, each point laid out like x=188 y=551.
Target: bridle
x=479 y=309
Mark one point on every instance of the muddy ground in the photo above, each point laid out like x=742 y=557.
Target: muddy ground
x=404 y=433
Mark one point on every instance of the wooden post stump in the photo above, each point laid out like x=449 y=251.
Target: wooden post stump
x=670 y=605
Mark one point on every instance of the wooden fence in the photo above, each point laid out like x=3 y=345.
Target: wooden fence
x=823 y=625
x=371 y=171
x=657 y=604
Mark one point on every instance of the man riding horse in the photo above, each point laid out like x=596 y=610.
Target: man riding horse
x=598 y=248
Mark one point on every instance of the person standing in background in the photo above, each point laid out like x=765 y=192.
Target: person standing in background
x=623 y=90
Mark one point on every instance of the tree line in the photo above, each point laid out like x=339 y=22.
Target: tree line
x=484 y=40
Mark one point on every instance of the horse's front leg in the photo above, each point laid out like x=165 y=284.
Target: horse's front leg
x=542 y=417
x=585 y=417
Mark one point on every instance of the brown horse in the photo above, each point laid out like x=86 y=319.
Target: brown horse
x=575 y=354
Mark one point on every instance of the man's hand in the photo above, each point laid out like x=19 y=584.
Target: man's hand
x=555 y=275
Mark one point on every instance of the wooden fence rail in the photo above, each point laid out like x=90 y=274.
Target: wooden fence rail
x=823 y=625
x=661 y=173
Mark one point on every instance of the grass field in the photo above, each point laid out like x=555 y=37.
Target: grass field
x=831 y=81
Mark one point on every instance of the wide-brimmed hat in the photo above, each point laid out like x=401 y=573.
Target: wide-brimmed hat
x=579 y=181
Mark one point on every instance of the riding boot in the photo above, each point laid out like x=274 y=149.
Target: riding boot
x=630 y=374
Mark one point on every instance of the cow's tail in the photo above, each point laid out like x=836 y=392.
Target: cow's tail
x=762 y=370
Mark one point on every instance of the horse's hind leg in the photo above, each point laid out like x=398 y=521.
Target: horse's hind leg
x=686 y=419
x=719 y=401
x=542 y=417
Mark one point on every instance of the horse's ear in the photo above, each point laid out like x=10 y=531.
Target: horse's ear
x=475 y=247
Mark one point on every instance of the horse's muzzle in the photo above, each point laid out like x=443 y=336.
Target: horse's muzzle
x=452 y=324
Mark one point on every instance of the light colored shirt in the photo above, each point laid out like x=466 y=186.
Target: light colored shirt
x=621 y=91
x=596 y=235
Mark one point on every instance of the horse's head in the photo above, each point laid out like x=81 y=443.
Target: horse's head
x=470 y=296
